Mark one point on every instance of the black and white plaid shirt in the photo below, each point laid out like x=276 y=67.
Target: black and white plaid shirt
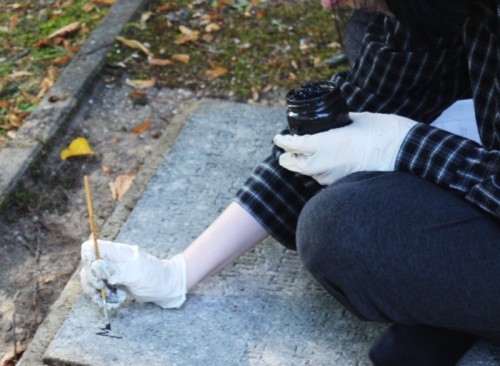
x=397 y=74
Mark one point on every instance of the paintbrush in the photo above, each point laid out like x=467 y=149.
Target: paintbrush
x=96 y=245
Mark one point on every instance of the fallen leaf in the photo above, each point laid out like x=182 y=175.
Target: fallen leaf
x=142 y=127
x=136 y=45
x=87 y=8
x=47 y=82
x=77 y=147
x=138 y=97
x=15 y=119
x=14 y=19
x=181 y=58
x=4 y=104
x=212 y=27
x=121 y=185
x=159 y=62
x=104 y=2
x=18 y=75
x=141 y=84
x=255 y=94
x=106 y=169
x=163 y=8
x=10 y=358
x=144 y=18
x=60 y=60
x=216 y=71
x=67 y=4
x=64 y=31
x=188 y=35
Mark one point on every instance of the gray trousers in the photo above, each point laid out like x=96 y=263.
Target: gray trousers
x=392 y=247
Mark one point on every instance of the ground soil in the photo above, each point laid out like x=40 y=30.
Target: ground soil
x=43 y=225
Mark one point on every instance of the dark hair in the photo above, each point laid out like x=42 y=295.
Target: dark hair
x=431 y=18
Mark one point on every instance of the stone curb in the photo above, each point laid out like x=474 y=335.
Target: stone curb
x=63 y=98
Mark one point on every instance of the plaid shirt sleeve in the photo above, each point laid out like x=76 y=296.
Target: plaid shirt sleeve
x=395 y=74
x=453 y=162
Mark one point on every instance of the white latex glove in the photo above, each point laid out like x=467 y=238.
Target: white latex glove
x=128 y=269
x=370 y=143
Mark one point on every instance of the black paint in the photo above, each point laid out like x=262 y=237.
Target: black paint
x=105 y=332
x=316 y=107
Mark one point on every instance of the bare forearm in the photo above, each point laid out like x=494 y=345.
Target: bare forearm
x=233 y=233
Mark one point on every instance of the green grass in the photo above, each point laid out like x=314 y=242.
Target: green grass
x=259 y=49
x=259 y=45
x=35 y=22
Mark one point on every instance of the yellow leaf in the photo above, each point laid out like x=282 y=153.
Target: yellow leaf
x=141 y=84
x=121 y=185
x=135 y=44
x=77 y=147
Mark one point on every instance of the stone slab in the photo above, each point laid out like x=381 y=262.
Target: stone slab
x=263 y=310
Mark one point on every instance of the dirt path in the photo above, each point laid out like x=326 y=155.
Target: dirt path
x=42 y=228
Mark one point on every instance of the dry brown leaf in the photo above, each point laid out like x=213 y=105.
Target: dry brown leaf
x=188 y=35
x=121 y=185
x=47 y=82
x=181 y=58
x=212 y=27
x=104 y=2
x=142 y=127
x=6 y=44
x=207 y=38
x=216 y=71
x=159 y=62
x=60 y=60
x=163 y=8
x=67 y=29
x=14 y=119
x=106 y=169
x=87 y=8
x=135 y=44
x=255 y=94
x=141 y=84
x=67 y=4
x=19 y=75
x=10 y=358
x=14 y=19
x=60 y=33
x=4 y=104
x=144 y=18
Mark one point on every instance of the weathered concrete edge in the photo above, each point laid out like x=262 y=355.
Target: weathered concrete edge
x=58 y=312
x=64 y=97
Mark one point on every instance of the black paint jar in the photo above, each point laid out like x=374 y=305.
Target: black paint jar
x=316 y=107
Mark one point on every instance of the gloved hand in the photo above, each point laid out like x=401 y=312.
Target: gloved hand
x=126 y=269
x=370 y=143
